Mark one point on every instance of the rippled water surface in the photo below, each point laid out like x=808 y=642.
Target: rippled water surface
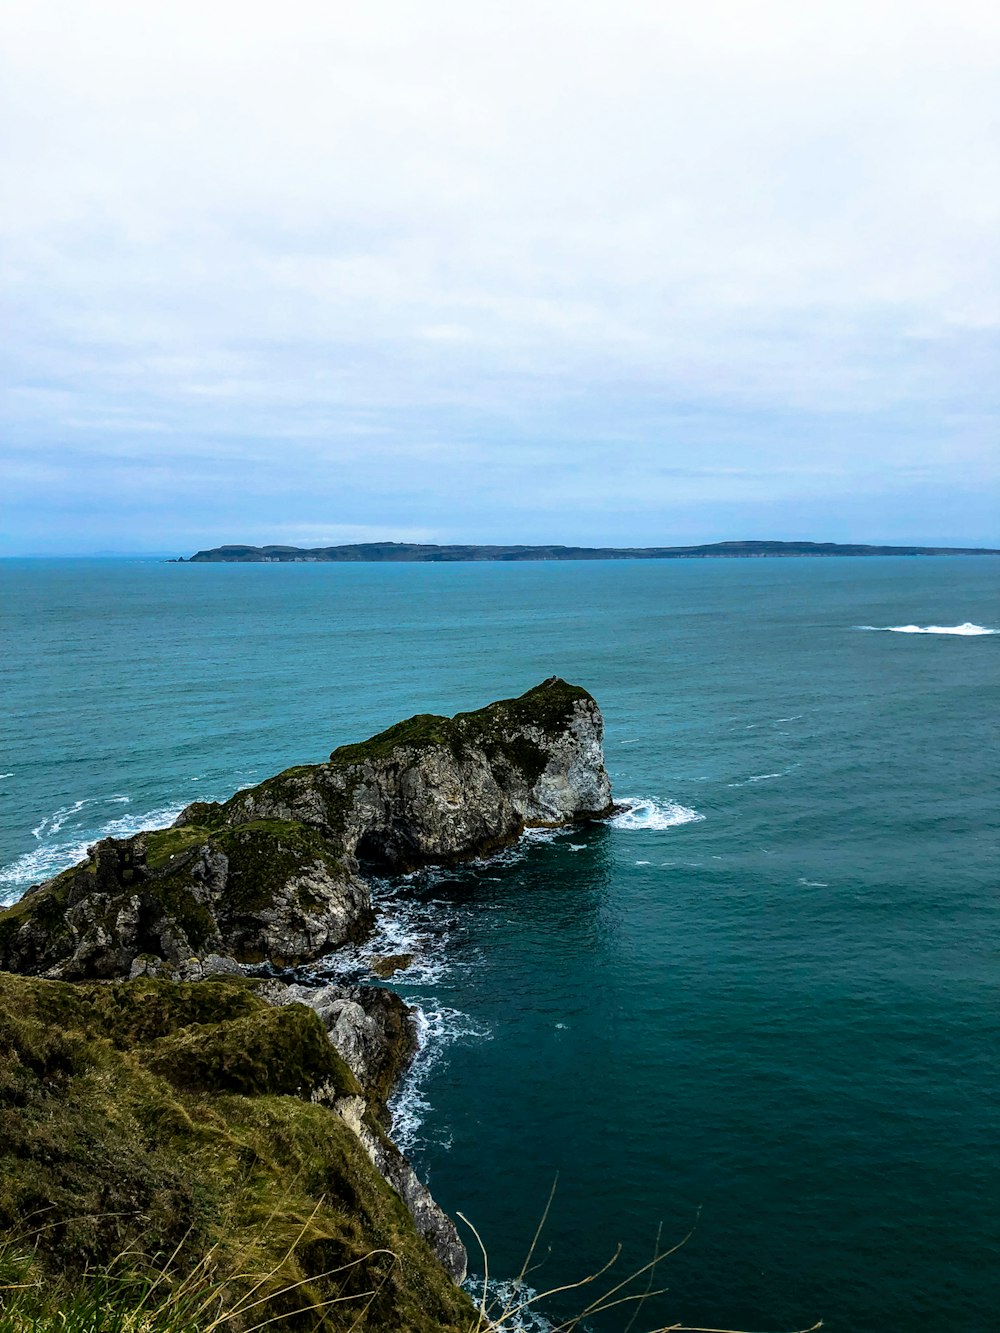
x=762 y=1002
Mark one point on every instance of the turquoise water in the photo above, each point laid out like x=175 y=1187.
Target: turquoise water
x=764 y=1002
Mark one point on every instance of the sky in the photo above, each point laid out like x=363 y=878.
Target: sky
x=591 y=272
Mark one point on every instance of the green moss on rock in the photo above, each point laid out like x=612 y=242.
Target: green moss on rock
x=265 y=853
x=496 y=729
x=267 y=1051
x=206 y=814
x=424 y=731
x=165 y=845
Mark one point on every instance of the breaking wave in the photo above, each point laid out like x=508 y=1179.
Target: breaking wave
x=407 y=926
x=510 y=1301
x=646 y=812
x=65 y=835
x=762 y=777
x=420 y=930
x=438 y=1027
x=966 y=630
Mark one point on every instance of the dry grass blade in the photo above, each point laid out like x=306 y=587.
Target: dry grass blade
x=486 y=1274
x=690 y=1328
x=647 y=1294
x=614 y=1297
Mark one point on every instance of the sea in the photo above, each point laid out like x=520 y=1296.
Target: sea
x=751 y=1021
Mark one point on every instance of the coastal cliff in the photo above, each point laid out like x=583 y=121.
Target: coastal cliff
x=156 y=932
x=200 y=1133
x=274 y=873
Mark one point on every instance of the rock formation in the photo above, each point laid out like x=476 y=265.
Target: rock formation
x=275 y=875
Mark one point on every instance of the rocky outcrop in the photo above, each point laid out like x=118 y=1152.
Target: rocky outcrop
x=267 y=891
x=273 y=874
x=371 y=1028
x=435 y=789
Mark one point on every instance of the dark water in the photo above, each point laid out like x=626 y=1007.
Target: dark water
x=777 y=1020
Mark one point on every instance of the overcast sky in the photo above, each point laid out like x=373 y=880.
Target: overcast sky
x=591 y=272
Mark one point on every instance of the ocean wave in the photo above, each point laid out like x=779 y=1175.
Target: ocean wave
x=759 y=777
x=438 y=1028
x=82 y=820
x=646 y=812
x=411 y=923
x=508 y=1300
x=966 y=630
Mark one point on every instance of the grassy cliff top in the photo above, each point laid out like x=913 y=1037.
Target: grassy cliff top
x=547 y=707
x=151 y=1118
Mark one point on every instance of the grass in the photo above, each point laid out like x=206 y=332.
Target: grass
x=126 y=1297
x=167 y=1152
x=130 y=1296
x=622 y=1293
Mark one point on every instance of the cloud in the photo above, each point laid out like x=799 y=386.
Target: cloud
x=470 y=253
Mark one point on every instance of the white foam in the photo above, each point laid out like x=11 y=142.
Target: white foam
x=6 y=775
x=405 y=924
x=509 y=1301
x=758 y=777
x=59 y=854
x=966 y=630
x=438 y=1027
x=646 y=812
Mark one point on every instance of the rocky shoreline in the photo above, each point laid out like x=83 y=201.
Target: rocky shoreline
x=277 y=876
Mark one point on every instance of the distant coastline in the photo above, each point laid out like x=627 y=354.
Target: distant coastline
x=413 y=552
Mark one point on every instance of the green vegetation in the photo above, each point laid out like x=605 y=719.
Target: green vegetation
x=326 y=794
x=206 y=814
x=266 y=853
x=164 y=845
x=159 y=1144
x=173 y=881
x=423 y=731
x=497 y=730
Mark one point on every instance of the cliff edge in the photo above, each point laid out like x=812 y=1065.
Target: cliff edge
x=196 y=1130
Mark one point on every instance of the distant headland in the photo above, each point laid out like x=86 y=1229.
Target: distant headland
x=415 y=552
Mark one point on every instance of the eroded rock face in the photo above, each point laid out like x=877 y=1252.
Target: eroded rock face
x=372 y=1029
x=272 y=875
x=373 y=1032
x=445 y=789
